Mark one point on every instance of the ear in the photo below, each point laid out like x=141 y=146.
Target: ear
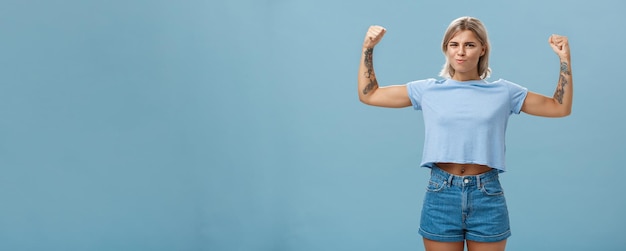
x=482 y=53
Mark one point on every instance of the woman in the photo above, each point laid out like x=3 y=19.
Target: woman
x=465 y=121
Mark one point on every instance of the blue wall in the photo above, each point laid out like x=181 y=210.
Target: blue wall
x=235 y=125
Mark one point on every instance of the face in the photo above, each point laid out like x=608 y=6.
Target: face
x=463 y=52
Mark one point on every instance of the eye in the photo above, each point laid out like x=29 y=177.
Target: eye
x=453 y=44
x=470 y=45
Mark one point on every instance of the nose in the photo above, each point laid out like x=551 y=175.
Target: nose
x=461 y=51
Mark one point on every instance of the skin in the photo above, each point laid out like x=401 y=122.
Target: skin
x=459 y=246
x=396 y=96
x=463 y=52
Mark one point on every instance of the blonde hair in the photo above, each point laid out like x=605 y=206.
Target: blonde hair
x=479 y=30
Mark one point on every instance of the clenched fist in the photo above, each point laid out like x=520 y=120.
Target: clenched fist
x=560 y=45
x=374 y=34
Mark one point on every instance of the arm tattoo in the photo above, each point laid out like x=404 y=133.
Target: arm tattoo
x=370 y=86
x=560 y=89
x=370 y=71
x=564 y=68
x=368 y=62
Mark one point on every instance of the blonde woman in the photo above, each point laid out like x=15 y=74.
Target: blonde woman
x=465 y=118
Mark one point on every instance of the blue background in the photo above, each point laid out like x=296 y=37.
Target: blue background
x=235 y=125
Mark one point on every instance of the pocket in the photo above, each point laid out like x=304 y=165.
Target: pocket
x=492 y=188
x=436 y=185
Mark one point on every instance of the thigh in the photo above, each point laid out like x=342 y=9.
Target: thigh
x=431 y=245
x=486 y=246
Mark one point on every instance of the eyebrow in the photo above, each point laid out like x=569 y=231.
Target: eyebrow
x=454 y=42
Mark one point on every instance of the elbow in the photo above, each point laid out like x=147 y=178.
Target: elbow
x=364 y=99
x=565 y=113
x=361 y=98
x=568 y=110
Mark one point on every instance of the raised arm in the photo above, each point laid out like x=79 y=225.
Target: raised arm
x=370 y=93
x=560 y=105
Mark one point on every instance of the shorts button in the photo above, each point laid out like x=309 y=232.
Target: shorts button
x=466 y=181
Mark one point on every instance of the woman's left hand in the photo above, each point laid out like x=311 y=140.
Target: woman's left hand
x=560 y=45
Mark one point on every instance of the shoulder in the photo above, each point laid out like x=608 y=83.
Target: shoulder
x=511 y=86
x=419 y=86
x=428 y=81
x=505 y=82
x=423 y=83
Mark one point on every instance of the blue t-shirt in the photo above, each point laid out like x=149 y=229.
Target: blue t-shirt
x=465 y=121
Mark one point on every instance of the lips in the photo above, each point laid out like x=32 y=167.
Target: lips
x=460 y=61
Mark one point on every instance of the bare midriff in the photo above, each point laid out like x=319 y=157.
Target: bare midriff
x=463 y=169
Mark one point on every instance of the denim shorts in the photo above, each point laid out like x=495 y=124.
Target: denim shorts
x=458 y=208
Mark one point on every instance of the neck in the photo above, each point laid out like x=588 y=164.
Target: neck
x=465 y=77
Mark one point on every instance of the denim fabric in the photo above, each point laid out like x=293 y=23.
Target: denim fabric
x=458 y=208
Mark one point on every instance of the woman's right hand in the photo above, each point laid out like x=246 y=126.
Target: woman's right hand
x=374 y=34
x=370 y=93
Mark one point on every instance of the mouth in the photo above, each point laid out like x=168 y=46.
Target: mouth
x=460 y=61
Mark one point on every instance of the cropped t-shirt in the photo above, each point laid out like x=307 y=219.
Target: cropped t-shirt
x=465 y=121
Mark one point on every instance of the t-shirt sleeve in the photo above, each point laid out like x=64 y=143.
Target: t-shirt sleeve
x=415 y=90
x=517 y=95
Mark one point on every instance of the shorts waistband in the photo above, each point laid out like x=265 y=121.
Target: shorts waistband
x=469 y=180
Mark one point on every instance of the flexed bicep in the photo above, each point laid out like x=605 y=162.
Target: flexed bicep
x=393 y=96
x=543 y=106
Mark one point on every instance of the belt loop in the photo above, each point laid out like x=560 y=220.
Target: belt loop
x=478 y=181
x=450 y=180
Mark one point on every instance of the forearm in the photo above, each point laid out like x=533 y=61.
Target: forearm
x=367 y=82
x=563 y=94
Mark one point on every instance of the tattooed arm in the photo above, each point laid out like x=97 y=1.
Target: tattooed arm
x=560 y=105
x=370 y=93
